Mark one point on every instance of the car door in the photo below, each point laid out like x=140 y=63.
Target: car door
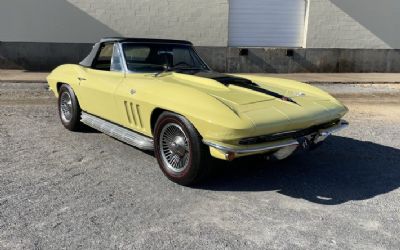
x=99 y=83
x=133 y=93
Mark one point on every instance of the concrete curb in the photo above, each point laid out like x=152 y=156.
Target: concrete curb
x=22 y=81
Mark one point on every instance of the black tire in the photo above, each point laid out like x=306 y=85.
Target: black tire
x=69 y=111
x=198 y=156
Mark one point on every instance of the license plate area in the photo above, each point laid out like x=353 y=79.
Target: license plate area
x=306 y=142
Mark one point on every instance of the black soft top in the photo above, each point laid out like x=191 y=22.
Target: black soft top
x=143 y=40
x=88 y=61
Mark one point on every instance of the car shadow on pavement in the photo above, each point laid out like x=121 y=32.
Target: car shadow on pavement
x=88 y=130
x=342 y=170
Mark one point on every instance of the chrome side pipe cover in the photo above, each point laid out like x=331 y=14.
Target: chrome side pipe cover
x=118 y=132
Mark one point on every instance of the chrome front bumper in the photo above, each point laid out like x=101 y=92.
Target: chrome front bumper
x=231 y=152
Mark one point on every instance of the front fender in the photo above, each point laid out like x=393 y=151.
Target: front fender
x=213 y=119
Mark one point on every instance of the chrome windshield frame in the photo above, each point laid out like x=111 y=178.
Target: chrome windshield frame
x=122 y=58
x=125 y=64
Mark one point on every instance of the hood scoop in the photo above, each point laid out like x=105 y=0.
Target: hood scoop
x=242 y=82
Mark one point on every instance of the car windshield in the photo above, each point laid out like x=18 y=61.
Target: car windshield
x=144 y=58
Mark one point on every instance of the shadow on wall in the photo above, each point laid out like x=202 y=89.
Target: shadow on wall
x=47 y=22
x=379 y=17
x=276 y=60
x=342 y=170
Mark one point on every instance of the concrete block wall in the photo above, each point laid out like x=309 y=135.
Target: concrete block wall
x=353 y=24
x=349 y=24
x=41 y=56
x=204 y=22
x=341 y=35
x=278 y=60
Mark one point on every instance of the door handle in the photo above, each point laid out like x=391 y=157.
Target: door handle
x=81 y=79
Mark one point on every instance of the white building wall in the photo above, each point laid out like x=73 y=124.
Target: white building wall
x=204 y=22
x=357 y=24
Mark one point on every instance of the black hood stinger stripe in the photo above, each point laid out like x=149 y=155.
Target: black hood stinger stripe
x=241 y=82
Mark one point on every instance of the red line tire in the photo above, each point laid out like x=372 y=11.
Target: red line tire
x=179 y=150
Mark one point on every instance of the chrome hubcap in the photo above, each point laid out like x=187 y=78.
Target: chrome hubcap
x=174 y=148
x=66 y=107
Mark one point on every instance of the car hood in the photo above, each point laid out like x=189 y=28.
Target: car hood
x=211 y=84
x=239 y=90
x=273 y=105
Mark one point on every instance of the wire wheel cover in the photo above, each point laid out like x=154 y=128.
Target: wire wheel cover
x=174 y=148
x=66 y=106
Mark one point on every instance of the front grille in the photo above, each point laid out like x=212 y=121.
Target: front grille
x=287 y=135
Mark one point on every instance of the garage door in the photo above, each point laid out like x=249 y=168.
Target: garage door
x=266 y=23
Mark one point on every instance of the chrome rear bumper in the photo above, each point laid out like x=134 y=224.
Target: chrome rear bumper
x=319 y=136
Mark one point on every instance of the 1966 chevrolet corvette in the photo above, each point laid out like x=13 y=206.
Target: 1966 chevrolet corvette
x=160 y=95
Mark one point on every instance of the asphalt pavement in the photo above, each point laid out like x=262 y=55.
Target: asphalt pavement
x=85 y=190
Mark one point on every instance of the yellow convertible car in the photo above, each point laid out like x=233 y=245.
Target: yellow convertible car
x=160 y=95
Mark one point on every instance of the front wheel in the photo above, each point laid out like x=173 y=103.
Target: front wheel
x=68 y=108
x=182 y=156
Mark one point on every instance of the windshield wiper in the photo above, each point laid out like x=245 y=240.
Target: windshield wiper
x=187 y=68
x=169 y=69
x=166 y=69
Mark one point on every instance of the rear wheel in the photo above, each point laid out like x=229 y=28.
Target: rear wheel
x=180 y=152
x=68 y=108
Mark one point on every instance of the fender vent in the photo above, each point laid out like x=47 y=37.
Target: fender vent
x=133 y=114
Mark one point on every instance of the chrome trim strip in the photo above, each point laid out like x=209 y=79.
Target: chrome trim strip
x=325 y=133
x=249 y=150
x=322 y=135
x=201 y=59
x=118 y=132
x=122 y=58
x=154 y=42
